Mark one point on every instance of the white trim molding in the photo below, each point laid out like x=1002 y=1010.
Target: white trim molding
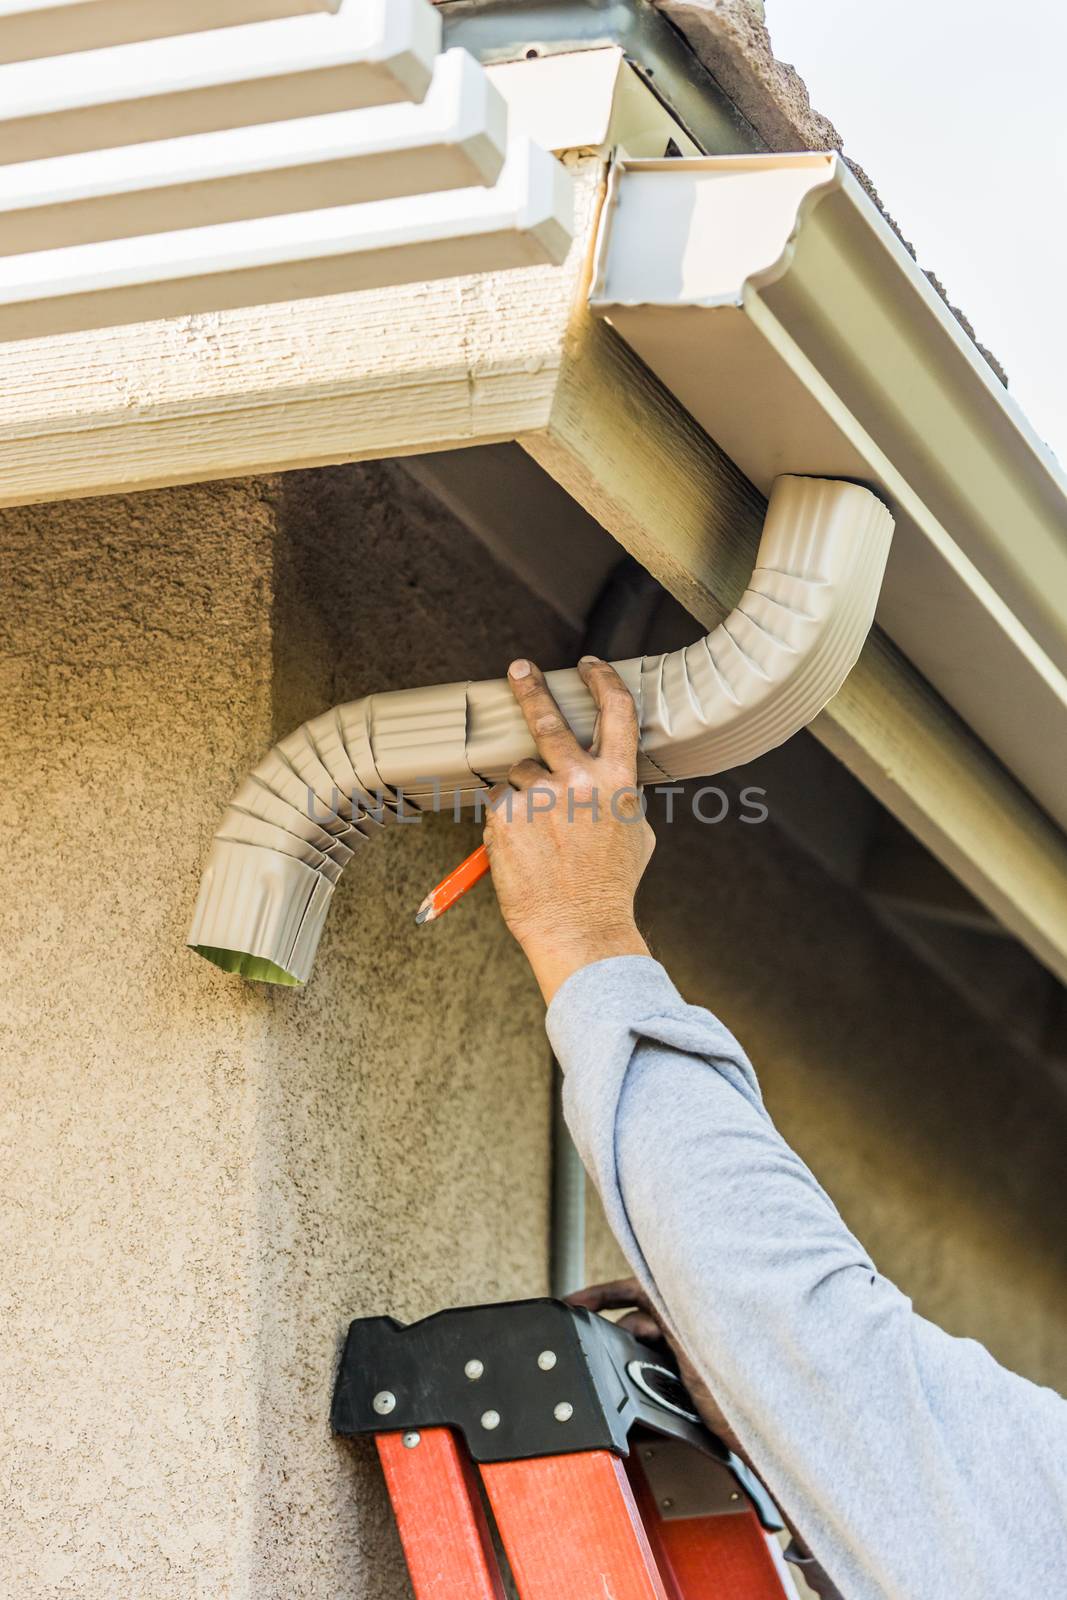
x=362 y=54
x=456 y=139
x=524 y=219
x=255 y=212
x=34 y=28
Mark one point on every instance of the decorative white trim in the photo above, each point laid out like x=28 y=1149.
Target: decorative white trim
x=369 y=53
x=527 y=218
x=456 y=139
x=33 y=28
x=295 y=207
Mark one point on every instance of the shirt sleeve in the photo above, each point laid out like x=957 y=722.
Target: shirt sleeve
x=913 y=1465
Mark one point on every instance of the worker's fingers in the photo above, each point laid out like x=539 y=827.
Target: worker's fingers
x=556 y=744
x=617 y=730
x=641 y=1325
x=524 y=774
x=619 y=1294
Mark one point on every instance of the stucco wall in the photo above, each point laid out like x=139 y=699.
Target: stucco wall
x=135 y=656
x=204 y=1180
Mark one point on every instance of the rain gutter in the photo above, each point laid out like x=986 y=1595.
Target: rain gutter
x=771 y=297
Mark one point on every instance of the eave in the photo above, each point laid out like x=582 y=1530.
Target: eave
x=516 y=356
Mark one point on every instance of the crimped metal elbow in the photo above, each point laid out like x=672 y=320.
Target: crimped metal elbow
x=325 y=790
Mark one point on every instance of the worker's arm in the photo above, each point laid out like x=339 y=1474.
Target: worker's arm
x=911 y=1463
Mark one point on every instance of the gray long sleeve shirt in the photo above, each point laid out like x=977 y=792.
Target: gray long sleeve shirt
x=913 y=1465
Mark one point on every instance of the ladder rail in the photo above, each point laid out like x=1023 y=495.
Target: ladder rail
x=536 y=1449
x=568 y=1524
x=439 y=1516
x=712 y=1557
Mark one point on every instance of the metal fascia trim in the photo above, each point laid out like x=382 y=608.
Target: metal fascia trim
x=505 y=30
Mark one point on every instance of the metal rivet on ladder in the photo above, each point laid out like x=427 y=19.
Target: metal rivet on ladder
x=546 y=1360
x=412 y=1439
x=564 y=1411
x=490 y=1419
x=474 y=1370
x=384 y=1402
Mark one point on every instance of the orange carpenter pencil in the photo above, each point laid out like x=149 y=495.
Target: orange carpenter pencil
x=464 y=877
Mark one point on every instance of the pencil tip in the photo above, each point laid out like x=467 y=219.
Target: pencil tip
x=424 y=914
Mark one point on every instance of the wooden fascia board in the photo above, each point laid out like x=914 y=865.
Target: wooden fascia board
x=226 y=394
x=396 y=371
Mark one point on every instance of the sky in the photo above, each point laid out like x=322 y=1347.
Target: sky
x=956 y=110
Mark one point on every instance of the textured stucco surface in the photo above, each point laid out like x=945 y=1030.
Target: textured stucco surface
x=202 y=1181
x=136 y=637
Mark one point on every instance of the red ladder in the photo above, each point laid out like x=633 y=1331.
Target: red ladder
x=576 y=1526
x=648 y=1506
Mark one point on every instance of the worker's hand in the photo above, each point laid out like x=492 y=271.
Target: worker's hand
x=569 y=849
x=643 y=1322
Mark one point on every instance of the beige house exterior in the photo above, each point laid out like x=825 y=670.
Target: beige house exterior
x=208 y=536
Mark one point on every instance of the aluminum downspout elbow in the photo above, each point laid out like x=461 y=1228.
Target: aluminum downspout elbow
x=746 y=687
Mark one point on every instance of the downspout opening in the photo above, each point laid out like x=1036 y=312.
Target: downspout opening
x=258 y=968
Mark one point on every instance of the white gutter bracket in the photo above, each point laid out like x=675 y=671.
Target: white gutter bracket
x=754 y=681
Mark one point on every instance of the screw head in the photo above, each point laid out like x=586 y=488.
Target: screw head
x=735 y=1495
x=412 y=1439
x=564 y=1411
x=546 y=1360
x=490 y=1420
x=474 y=1369
x=666 y=1504
x=384 y=1402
